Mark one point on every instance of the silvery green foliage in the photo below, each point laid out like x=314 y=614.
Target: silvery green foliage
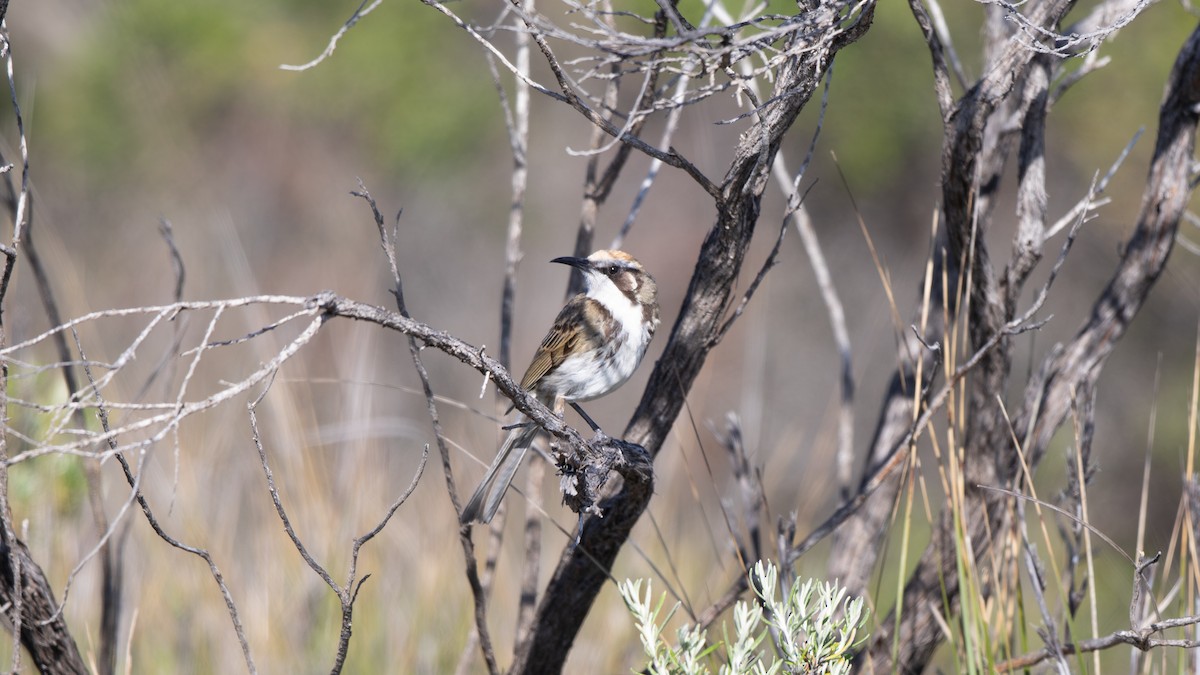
x=814 y=637
x=815 y=626
x=664 y=658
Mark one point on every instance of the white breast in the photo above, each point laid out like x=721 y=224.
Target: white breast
x=593 y=374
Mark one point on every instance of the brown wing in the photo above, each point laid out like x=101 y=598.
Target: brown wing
x=559 y=342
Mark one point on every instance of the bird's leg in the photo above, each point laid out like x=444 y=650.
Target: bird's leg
x=518 y=425
x=559 y=408
x=595 y=427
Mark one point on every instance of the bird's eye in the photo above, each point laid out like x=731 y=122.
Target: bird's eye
x=612 y=269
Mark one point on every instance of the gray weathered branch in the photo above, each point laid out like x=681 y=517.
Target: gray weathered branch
x=1047 y=398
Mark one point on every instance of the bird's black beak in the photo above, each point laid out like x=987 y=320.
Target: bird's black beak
x=581 y=263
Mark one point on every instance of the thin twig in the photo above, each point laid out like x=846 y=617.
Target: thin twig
x=568 y=94
x=1049 y=631
x=15 y=614
x=884 y=470
x=1139 y=639
x=1062 y=512
x=519 y=139
x=358 y=14
x=134 y=482
x=347 y=593
x=464 y=533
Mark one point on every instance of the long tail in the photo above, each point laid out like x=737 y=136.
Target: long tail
x=486 y=500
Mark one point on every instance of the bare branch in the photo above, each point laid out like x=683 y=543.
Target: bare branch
x=1036 y=37
x=359 y=13
x=941 y=78
x=582 y=570
x=28 y=606
x=347 y=593
x=464 y=535
x=133 y=481
x=1140 y=639
x=1049 y=631
x=695 y=54
x=1047 y=396
x=279 y=510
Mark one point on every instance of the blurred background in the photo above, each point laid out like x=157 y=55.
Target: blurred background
x=141 y=110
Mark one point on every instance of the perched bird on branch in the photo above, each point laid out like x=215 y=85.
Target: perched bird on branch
x=595 y=344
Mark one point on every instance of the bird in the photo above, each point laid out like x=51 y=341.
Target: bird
x=594 y=346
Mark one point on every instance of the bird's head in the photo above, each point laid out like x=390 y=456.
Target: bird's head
x=607 y=269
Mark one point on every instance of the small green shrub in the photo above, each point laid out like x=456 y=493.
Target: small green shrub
x=815 y=627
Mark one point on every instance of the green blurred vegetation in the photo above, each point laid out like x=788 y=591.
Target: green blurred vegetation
x=53 y=484
x=1100 y=114
x=152 y=79
x=412 y=89
x=882 y=113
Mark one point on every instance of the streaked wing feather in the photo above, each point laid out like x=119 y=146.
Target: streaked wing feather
x=557 y=344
